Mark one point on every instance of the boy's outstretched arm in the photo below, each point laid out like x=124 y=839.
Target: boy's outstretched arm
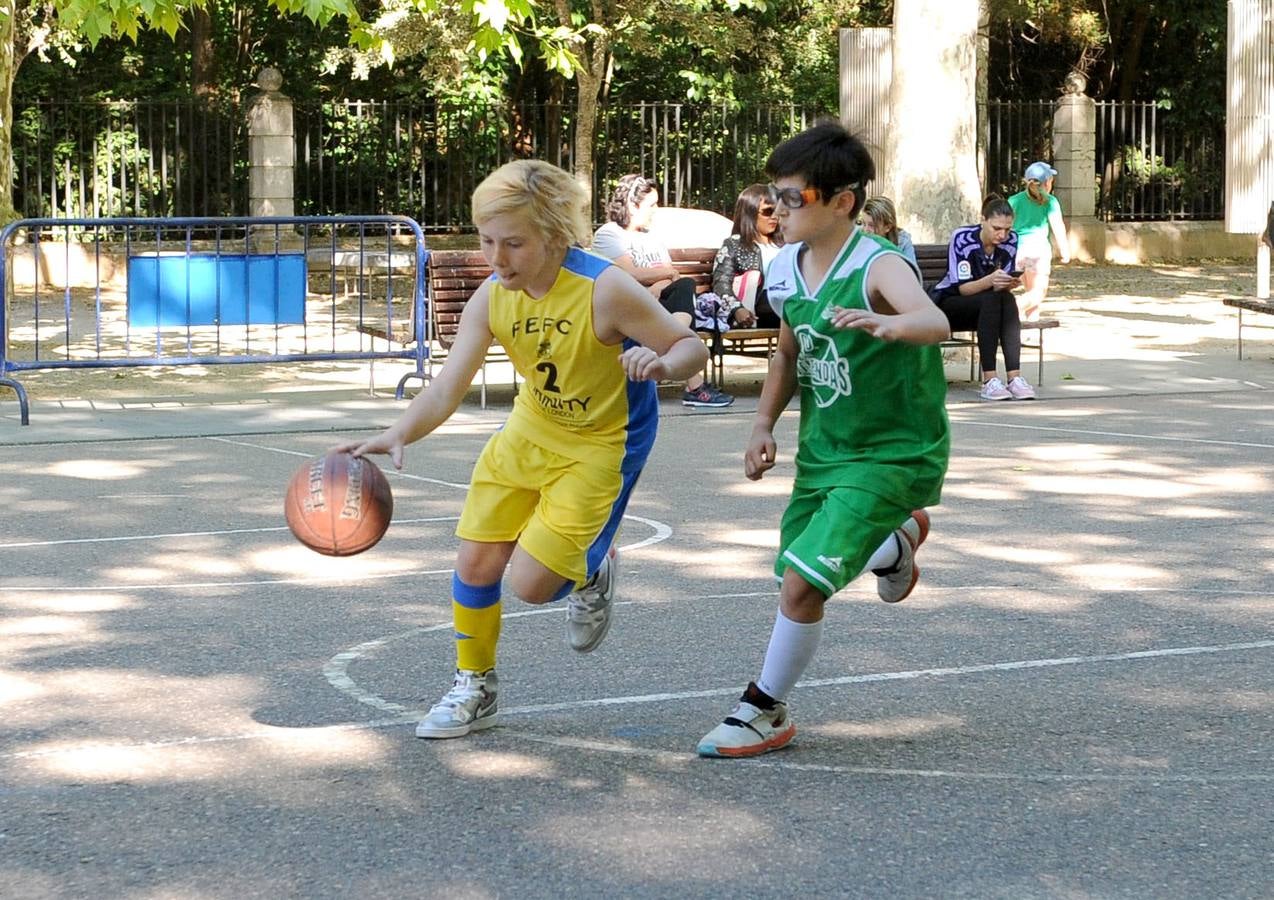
x=669 y=350
x=901 y=310
x=440 y=398
x=776 y=393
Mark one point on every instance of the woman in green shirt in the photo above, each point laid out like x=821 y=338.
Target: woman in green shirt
x=1036 y=212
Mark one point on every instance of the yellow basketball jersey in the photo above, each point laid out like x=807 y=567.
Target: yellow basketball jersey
x=575 y=398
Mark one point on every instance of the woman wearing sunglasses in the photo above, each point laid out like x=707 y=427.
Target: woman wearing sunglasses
x=738 y=273
x=625 y=240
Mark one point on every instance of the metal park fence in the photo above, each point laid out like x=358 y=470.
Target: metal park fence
x=100 y=293
x=88 y=159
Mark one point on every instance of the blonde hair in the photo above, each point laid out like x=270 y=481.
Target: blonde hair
x=547 y=196
x=881 y=211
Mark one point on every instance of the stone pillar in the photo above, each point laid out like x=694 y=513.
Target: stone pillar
x=866 y=70
x=271 y=149
x=1075 y=158
x=1075 y=150
x=1249 y=118
x=932 y=136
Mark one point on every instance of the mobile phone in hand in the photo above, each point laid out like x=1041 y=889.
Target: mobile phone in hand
x=1017 y=273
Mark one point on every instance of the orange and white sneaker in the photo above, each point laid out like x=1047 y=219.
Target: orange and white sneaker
x=749 y=731
x=894 y=585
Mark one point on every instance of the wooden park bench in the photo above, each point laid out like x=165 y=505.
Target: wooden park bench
x=932 y=259
x=453 y=275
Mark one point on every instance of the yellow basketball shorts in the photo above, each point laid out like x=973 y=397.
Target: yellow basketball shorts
x=563 y=512
x=827 y=535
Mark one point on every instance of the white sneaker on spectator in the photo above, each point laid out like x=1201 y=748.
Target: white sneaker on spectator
x=995 y=390
x=1021 y=389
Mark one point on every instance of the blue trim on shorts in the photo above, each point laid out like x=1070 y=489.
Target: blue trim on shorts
x=473 y=596
x=601 y=544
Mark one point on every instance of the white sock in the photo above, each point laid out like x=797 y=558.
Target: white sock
x=886 y=555
x=792 y=646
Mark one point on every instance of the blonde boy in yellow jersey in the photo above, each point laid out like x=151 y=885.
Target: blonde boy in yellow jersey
x=549 y=489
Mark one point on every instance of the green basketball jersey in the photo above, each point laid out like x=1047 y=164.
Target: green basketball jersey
x=873 y=413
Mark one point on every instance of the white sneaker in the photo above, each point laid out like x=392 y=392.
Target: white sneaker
x=469 y=706
x=1021 y=389
x=894 y=585
x=749 y=731
x=588 y=609
x=995 y=390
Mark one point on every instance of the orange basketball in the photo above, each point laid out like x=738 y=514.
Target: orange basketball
x=338 y=504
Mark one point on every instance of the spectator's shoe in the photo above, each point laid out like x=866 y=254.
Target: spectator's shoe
x=1021 y=389
x=588 y=609
x=895 y=584
x=749 y=731
x=706 y=394
x=995 y=390
x=469 y=706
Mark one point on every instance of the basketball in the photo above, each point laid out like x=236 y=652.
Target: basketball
x=338 y=504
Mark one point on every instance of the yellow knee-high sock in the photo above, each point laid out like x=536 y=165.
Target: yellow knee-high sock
x=476 y=611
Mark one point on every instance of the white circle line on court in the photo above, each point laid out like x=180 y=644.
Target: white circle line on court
x=409 y=717
x=660 y=531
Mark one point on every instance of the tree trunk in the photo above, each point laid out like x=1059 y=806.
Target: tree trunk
x=8 y=69
x=592 y=52
x=983 y=92
x=1130 y=58
x=203 y=55
x=933 y=124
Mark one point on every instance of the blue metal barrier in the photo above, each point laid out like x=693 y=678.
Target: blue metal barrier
x=206 y=291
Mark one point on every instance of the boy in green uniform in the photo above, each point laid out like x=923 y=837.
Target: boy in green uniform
x=858 y=338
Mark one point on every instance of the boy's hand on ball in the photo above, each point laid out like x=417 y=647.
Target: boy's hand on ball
x=385 y=442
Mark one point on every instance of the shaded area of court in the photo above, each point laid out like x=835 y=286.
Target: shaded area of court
x=1075 y=702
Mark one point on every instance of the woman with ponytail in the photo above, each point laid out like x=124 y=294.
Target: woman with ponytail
x=1036 y=213
x=976 y=295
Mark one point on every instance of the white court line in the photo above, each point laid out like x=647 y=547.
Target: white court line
x=1119 y=434
x=388 y=470
x=309 y=579
x=770 y=762
x=183 y=534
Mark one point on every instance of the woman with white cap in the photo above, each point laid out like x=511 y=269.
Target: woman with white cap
x=1036 y=212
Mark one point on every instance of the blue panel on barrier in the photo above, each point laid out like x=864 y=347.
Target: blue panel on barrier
x=216 y=289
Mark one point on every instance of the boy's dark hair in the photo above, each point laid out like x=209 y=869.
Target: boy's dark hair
x=829 y=158
x=995 y=205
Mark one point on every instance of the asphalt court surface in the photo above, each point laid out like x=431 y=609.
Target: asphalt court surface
x=1076 y=702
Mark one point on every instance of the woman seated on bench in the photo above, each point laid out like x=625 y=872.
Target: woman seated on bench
x=880 y=217
x=625 y=242
x=738 y=273
x=976 y=295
